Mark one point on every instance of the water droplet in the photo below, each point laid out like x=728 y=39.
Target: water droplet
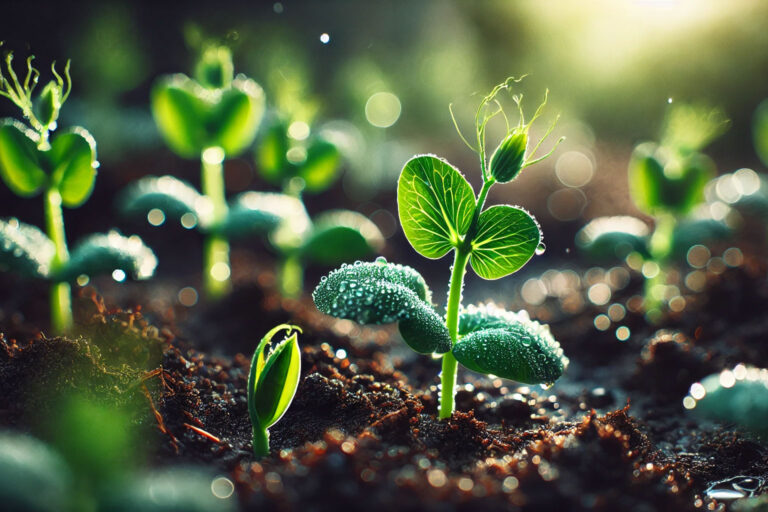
x=540 y=249
x=381 y=260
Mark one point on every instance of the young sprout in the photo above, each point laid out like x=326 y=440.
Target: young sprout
x=211 y=117
x=63 y=170
x=440 y=213
x=666 y=181
x=272 y=382
x=297 y=160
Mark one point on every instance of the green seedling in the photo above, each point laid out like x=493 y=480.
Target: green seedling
x=737 y=396
x=63 y=169
x=440 y=213
x=272 y=383
x=212 y=117
x=760 y=131
x=666 y=181
x=298 y=161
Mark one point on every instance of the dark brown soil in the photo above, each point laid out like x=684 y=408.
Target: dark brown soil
x=362 y=432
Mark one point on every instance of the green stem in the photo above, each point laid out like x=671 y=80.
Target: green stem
x=448 y=374
x=260 y=441
x=60 y=295
x=290 y=276
x=216 y=257
x=660 y=248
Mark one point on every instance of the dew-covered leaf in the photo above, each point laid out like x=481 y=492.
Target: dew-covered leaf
x=699 y=231
x=342 y=236
x=736 y=396
x=660 y=182
x=24 y=249
x=233 y=121
x=72 y=160
x=506 y=238
x=105 y=253
x=253 y=213
x=380 y=293
x=20 y=165
x=508 y=345
x=274 y=376
x=435 y=203
x=610 y=239
x=322 y=165
x=174 y=197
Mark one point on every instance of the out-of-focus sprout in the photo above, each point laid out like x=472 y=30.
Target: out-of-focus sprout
x=63 y=169
x=272 y=382
x=211 y=117
x=439 y=214
x=666 y=181
x=292 y=157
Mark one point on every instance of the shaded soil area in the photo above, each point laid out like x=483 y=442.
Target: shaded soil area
x=362 y=431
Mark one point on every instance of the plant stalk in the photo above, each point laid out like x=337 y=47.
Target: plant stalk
x=216 y=269
x=448 y=373
x=260 y=442
x=660 y=249
x=60 y=294
x=290 y=275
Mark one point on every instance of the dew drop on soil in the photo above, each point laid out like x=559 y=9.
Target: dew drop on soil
x=734 y=488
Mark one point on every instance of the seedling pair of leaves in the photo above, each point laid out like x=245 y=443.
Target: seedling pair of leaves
x=440 y=213
x=666 y=182
x=272 y=382
x=63 y=170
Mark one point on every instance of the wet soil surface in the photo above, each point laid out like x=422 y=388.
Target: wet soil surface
x=362 y=432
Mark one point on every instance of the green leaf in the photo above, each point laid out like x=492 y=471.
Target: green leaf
x=508 y=345
x=20 y=165
x=733 y=396
x=24 y=249
x=381 y=293
x=105 y=253
x=180 y=114
x=270 y=153
x=607 y=239
x=174 y=197
x=322 y=165
x=72 y=159
x=760 y=131
x=274 y=376
x=232 y=123
x=342 y=236
x=435 y=204
x=507 y=237
x=263 y=212
x=659 y=182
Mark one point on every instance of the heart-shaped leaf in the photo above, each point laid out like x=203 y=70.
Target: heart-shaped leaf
x=506 y=238
x=105 y=253
x=233 y=122
x=263 y=212
x=72 y=159
x=20 y=165
x=659 y=182
x=322 y=165
x=191 y=117
x=174 y=197
x=24 y=249
x=341 y=236
x=380 y=293
x=508 y=345
x=435 y=203
x=274 y=376
x=607 y=239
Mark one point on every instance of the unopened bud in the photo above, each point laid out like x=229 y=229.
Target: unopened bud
x=509 y=157
x=215 y=69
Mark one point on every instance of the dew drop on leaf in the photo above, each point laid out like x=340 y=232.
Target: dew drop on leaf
x=540 y=249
